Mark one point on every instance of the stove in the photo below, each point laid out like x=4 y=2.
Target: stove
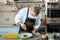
x=53 y=28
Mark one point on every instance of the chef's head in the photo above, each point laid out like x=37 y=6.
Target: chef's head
x=34 y=11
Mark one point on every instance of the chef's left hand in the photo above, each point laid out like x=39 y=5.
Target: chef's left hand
x=33 y=31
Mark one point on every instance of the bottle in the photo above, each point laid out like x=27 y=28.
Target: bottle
x=44 y=23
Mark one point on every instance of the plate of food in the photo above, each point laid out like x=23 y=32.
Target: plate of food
x=25 y=35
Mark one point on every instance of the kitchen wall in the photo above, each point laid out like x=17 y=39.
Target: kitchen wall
x=7 y=15
x=9 y=11
x=19 y=0
x=6 y=0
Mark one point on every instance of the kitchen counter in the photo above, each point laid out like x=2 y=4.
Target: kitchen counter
x=32 y=38
x=7 y=29
x=38 y=37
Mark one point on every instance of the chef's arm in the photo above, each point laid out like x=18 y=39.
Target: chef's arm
x=18 y=19
x=37 y=24
x=20 y=23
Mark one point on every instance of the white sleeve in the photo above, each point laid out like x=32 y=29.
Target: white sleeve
x=19 y=16
x=38 y=22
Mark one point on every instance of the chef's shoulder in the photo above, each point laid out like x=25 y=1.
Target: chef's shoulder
x=23 y=10
x=39 y=16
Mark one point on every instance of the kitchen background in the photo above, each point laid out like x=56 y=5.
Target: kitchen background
x=9 y=9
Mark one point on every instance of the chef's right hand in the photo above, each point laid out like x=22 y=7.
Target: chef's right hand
x=23 y=26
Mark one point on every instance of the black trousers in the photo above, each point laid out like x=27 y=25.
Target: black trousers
x=20 y=29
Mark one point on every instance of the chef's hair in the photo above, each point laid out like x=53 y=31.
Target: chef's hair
x=36 y=10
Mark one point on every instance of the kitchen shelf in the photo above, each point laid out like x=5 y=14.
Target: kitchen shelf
x=29 y=2
x=9 y=11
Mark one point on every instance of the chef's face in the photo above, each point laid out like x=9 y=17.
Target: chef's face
x=32 y=12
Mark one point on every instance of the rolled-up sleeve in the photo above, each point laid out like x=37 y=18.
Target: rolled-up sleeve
x=19 y=16
x=38 y=22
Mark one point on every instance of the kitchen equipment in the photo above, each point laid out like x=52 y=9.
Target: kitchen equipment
x=53 y=28
x=53 y=13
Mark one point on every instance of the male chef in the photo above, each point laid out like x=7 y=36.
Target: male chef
x=28 y=19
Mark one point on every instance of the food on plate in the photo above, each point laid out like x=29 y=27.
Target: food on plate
x=25 y=36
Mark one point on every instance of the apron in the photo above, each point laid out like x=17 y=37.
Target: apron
x=29 y=23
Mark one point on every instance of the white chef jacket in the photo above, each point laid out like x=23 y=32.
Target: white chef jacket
x=22 y=15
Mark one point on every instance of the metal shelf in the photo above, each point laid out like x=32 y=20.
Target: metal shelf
x=8 y=11
x=29 y=2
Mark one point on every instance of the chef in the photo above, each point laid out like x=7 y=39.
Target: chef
x=28 y=19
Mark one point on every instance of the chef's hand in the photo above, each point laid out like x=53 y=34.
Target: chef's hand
x=23 y=26
x=33 y=32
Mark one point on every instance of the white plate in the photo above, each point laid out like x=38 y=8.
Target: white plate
x=21 y=35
